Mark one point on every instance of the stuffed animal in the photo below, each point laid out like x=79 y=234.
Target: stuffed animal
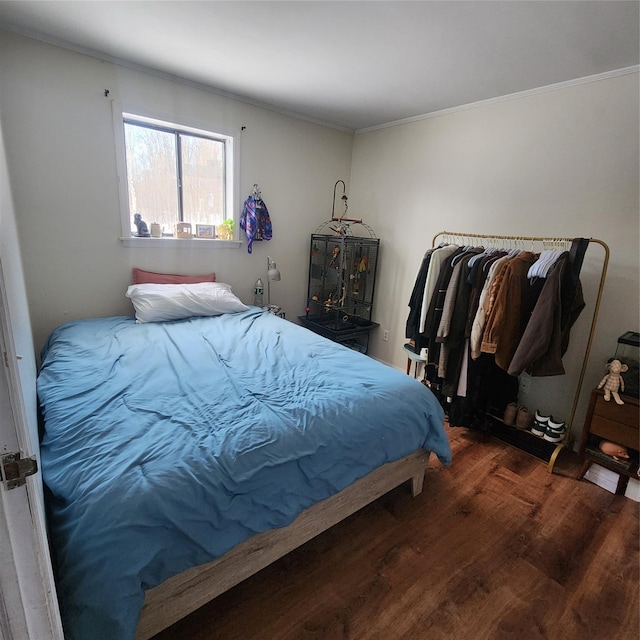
x=614 y=450
x=613 y=381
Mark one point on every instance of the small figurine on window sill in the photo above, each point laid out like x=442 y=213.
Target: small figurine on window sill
x=613 y=382
x=141 y=225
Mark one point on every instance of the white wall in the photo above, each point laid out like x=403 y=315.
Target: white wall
x=18 y=311
x=557 y=163
x=61 y=162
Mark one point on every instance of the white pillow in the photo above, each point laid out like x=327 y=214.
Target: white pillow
x=160 y=302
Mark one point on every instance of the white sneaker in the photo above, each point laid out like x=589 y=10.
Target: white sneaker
x=540 y=424
x=555 y=431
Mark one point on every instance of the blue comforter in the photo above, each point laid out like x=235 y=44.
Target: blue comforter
x=166 y=444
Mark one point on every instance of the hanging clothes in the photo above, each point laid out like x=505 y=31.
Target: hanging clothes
x=539 y=349
x=485 y=303
x=485 y=320
x=454 y=320
x=436 y=304
x=513 y=305
x=422 y=293
x=412 y=329
x=477 y=277
x=489 y=390
x=255 y=221
x=572 y=300
x=546 y=336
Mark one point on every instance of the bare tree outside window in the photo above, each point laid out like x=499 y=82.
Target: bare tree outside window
x=174 y=176
x=152 y=175
x=202 y=180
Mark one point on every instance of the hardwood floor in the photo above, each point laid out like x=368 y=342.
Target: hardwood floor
x=494 y=548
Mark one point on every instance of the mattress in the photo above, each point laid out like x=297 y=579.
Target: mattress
x=166 y=444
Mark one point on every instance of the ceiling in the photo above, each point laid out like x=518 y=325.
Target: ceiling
x=352 y=65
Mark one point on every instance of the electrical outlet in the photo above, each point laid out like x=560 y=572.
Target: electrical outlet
x=385 y=335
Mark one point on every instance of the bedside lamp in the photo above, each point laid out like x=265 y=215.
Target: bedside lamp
x=273 y=275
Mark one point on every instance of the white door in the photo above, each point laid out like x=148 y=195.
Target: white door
x=28 y=605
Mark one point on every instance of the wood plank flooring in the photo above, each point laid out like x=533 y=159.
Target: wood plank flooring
x=494 y=548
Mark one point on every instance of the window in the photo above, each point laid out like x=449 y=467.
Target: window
x=175 y=174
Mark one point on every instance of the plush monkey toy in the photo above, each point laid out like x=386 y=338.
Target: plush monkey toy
x=613 y=381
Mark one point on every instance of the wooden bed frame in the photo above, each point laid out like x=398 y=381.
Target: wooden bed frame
x=184 y=593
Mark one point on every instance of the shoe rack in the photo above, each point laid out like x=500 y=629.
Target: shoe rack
x=523 y=439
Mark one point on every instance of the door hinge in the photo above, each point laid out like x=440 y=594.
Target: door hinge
x=14 y=469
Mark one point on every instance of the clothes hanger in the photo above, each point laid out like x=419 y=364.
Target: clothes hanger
x=548 y=257
x=514 y=250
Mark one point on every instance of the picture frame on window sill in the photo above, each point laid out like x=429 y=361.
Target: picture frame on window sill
x=183 y=230
x=205 y=231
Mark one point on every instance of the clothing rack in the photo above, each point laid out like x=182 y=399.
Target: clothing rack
x=454 y=237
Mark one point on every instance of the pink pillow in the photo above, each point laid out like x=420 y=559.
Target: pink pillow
x=140 y=276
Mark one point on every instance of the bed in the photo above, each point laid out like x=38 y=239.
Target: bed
x=181 y=456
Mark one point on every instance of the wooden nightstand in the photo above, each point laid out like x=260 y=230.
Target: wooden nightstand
x=614 y=422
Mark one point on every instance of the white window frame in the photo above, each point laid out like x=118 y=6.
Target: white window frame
x=232 y=176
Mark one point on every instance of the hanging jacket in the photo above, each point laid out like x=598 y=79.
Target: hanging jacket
x=412 y=329
x=487 y=296
x=546 y=338
x=255 y=221
x=539 y=350
x=515 y=300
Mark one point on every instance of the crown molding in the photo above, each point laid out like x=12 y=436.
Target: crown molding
x=512 y=96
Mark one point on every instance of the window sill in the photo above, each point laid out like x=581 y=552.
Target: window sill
x=184 y=243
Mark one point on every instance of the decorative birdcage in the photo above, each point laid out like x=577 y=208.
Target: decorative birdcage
x=342 y=275
x=343 y=260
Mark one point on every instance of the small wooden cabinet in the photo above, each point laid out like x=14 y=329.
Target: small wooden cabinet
x=614 y=422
